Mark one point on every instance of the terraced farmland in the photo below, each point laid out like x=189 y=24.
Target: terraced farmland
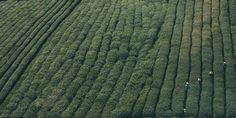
x=117 y=58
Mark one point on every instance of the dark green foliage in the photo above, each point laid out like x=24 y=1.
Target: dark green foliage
x=117 y=58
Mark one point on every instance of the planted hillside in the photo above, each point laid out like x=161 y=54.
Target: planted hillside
x=117 y=58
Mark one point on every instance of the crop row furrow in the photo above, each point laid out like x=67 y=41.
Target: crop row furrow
x=154 y=33
x=230 y=73
x=38 y=86
x=136 y=81
x=93 y=48
x=6 y=8
x=135 y=23
x=28 y=38
x=41 y=58
x=206 y=109
x=23 y=30
x=92 y=87
x=192 y=102
x=218 y=64
x=70 y=42
x=8 y=22
x=107 y=89
x=181 y=80
x=117 y=58
x=30 y=15
x=63 y=85
x=164 y=104
x=27 y=59
x=28 y=77
x=9 y=68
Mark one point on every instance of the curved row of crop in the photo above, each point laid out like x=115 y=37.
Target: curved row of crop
x=195 y=78
x=230 y=73
x=112 y=90
x=5 y=8
x=218 y=65
x=9 y=22
x=112 y=58
x=85 y=20
x=20 y=43
x=57 y=53
x=161 y=61
x=16 y=42
x=163 y=107
x=206 y=108
x=85 y=45
x=24 y=20
x=85 y=81
x=8 y=69
x=25 y=60
x=29 y=78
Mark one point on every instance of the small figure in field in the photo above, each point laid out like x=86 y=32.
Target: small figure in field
x=185 y=110
x=224 y=64
x=199 y=79
x=211 y=73
x=186 y=84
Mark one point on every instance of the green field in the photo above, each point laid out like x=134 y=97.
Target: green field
x=117 y=58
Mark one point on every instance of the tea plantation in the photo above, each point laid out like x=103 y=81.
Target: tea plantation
x=117 y=58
